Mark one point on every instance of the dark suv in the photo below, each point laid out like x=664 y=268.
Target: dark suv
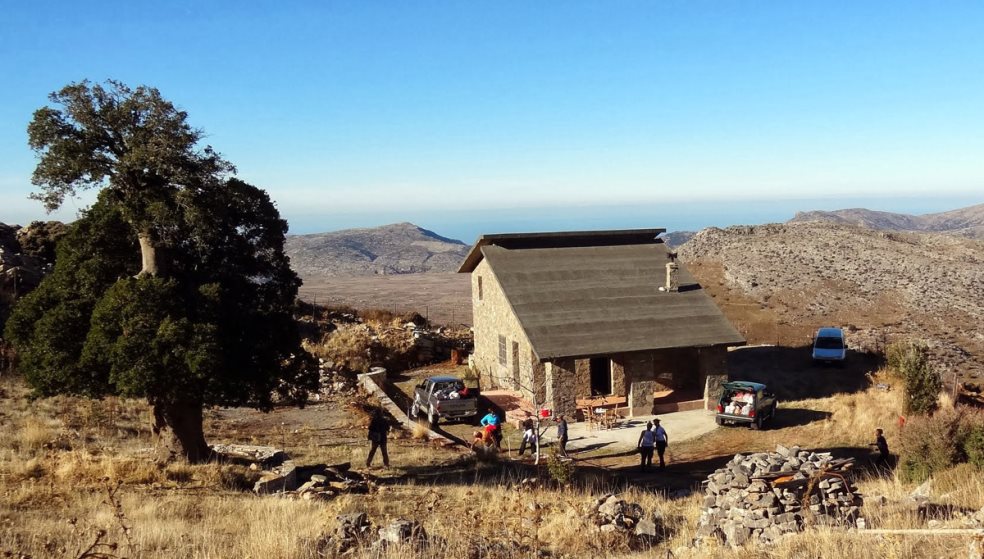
x=746 y=402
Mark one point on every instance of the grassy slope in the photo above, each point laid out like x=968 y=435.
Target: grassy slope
x=58 y=456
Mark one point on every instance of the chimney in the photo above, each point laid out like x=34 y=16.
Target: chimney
x=672 y=281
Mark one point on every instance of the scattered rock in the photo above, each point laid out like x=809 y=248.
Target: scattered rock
x=403 y=531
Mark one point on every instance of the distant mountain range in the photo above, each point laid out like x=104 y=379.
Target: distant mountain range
x=400 y=248
x=964 y=222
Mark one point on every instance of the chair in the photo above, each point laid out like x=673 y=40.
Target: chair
x=613 y=418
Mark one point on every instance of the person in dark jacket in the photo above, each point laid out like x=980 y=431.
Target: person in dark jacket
x=378 y=430
x=562 y=434
x=882 y=445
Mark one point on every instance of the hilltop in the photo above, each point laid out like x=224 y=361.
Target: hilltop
x=964 y=222
x=785 y=280
x=400 y=248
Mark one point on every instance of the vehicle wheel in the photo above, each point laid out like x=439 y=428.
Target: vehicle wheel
x=432 y=418
x=757 y=424
x=719 y=421
x=414 y=411
x=772 y=415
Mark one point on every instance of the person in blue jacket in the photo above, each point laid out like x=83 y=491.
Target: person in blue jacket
x=492 y=426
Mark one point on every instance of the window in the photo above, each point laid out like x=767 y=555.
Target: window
x=502 y=350
x=479 y=288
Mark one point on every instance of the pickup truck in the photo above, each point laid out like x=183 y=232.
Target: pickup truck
x=444 y=397
x=746 y=402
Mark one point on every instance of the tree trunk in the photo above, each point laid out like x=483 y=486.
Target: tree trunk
x=178 y=428
x=152 y=257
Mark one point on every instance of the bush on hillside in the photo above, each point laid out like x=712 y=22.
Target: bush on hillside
x=931 y=444
x=973 y=446
x=910 y=360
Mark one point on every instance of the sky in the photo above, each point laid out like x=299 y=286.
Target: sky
x=469 y=117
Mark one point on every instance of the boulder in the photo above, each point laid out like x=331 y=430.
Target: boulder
x=402 y=531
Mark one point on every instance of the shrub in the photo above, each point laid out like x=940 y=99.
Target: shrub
x=910 y=360
x=930 y=444
x=561 y=470
x=973 y=446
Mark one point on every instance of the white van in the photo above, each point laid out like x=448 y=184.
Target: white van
x=829 y=346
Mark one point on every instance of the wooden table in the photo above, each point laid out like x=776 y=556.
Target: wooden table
x=602 y=411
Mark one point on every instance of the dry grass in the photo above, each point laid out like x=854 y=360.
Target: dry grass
x=203 y=511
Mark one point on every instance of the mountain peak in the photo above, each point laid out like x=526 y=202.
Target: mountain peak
x=396 y=248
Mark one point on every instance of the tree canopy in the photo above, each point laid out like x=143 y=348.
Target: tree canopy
x=205 y=317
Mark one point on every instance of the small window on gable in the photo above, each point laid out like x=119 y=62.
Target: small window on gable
x=479 y=288
x=502 y=350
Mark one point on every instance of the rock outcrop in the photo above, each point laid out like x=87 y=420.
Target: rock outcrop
x=881 y=285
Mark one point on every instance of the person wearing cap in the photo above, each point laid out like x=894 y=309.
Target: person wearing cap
x=662 y=440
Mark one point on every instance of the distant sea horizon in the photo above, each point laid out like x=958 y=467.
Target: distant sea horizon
x=467 y=224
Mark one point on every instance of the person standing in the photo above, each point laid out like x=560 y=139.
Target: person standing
x=646 y=444
x=378 y=430
x=492 y=429
x=882 y=445
x=662 y=440
x=562 y=434
x=529 y=435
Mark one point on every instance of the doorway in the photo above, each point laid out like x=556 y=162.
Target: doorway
x=601 y=376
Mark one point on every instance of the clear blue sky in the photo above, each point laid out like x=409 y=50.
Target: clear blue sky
x=361 y=113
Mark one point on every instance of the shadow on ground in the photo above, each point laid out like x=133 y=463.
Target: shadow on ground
x=791 y=373
x=679 y=480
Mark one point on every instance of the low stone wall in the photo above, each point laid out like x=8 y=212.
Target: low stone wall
x=766 y=495
x=373 y=384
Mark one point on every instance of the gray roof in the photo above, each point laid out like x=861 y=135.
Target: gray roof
x=598 y=300
x=559 y=239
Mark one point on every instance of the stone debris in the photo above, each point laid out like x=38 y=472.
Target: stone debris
x=763 y=496
x=356 y=530
x=277 y=480
x=614 y=515
x=317 y=482
x=262 y=456
x=402 y=531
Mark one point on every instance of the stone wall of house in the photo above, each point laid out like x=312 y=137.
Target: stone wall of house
x=714 y=373
x=493 y=317
x=647 y=372
x=581 y=381
x=561 y=393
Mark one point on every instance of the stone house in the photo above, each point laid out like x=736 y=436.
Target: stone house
x=572 y=315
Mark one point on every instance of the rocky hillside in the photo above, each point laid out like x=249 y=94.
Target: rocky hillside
x=881 y=285
x=964 y=222
x=401 y=248
x=677 y=238
x=26 y=254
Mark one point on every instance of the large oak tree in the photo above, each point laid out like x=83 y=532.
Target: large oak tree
x=173 y=286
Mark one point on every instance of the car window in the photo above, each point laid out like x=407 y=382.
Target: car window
x=829 y=343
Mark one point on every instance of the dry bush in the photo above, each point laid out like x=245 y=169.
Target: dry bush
x=349 y=347
x=33 y=434
x=418 y=431
x=931 y=444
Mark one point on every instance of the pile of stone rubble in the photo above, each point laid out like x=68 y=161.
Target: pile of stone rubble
x=312 y=482
x=614 y=515
x=766 y=495
x=355 y=531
